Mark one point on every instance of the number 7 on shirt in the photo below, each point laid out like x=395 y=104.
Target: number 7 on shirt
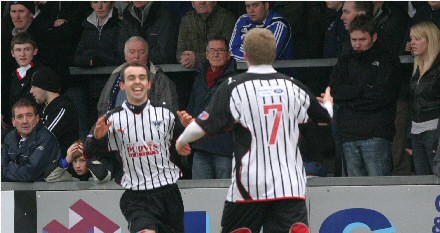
x=276 y=124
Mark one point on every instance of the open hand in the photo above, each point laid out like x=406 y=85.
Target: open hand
x=185 y=118
x=101 y=128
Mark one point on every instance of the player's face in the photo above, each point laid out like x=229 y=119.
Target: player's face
x=39 y=94
x=80 y=165
x=257 y=11
x=136 y=85
x=21 y=16
x=102 y=8
x=348 y=13
x=419 y=45
x=217 y=54
x=136 y=53
x=362 y=41
x=23 y=53
x=24 y=120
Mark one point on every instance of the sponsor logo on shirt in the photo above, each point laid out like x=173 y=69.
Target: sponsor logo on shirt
x=271 y=91
x=140 y=149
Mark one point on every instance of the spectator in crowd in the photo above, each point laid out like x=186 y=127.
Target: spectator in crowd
x=391 y=24
x=59 y=114
x=351 y=9
x=156 y=25
x=197 y=26
x=335 y=33
x=427 y=12
x=268 y=173
x=99 y=46
x=334 y=37
x=162 y=88
x=61 y=24
x=76 y=167
x=100 y=39
x=425 y=90
x=212 y=154
x=365 y=85
x=23 y=49
x=259 y=14
x=306 y=19
x=436 y=167
x=30 y=148
x=21 y=17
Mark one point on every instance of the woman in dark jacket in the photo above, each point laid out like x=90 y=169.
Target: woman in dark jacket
x=425 y=89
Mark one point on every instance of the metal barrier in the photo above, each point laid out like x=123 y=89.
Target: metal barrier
x=169 y=68
x=224 y=183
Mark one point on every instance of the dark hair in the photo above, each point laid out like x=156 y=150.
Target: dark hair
x=219 y=38
x=362 y=23
x=366 y=6
x=136 y=64
x=23 y=102
x=23 y=38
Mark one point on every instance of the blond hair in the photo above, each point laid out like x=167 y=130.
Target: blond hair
x=260 y=46
x=431 y=33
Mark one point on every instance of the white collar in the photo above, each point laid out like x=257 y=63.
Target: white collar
x=261 y=69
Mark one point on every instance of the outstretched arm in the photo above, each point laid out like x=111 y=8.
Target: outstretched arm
x=192 y=132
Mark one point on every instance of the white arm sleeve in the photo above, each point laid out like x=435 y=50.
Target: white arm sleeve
x=329 y=107
x=192 y=132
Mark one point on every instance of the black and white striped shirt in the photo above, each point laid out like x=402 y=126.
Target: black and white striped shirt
x=263 y=109
x=143 y=142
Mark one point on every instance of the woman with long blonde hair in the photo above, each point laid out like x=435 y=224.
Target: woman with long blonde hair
x=425 y=90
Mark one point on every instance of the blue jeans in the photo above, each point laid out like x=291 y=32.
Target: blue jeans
x=371 y=157
x=211 y=166
x=423 y=146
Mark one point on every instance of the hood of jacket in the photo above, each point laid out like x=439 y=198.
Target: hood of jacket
x=92 y=19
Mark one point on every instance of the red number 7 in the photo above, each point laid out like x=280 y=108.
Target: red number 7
x=276 y=124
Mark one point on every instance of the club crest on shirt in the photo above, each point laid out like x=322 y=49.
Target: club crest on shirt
x=121 y=130
x=203 y=116
x=157 y=124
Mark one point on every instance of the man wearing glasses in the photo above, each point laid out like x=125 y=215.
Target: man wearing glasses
x=213 y=154
x=30 y=148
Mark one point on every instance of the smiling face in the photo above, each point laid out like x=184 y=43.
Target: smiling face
x=257 y=11
x=21 y=16
x=136 y=84
x=102 y=8
x=24 y=120
x=23 y=53
x=217 y=54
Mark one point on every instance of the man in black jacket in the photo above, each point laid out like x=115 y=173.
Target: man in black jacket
x=29 y=149
x=365 y=85
x=59 y=115
x=213 y=154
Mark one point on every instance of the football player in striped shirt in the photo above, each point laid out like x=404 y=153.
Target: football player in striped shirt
x=263 y=109
x=141 y=131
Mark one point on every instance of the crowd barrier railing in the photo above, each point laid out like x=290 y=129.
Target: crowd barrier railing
x=169 y=68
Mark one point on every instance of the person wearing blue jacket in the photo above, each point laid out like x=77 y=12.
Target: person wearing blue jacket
x=259 y=15
x=29 y=149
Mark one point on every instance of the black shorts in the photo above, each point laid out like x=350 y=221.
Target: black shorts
x=273 y=216
x=159 y=209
